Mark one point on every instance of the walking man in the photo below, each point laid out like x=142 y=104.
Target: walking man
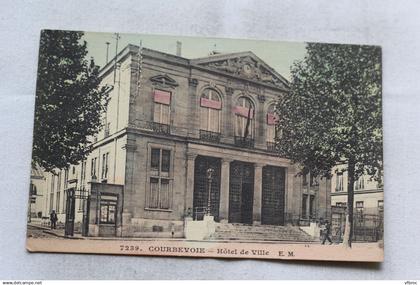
x=327 y=232
x=53 y=219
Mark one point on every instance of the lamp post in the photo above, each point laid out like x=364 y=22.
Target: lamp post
x=210 y=173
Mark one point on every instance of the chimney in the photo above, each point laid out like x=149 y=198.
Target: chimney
x=178 y=48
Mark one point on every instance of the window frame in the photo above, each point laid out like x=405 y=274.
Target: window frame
x=93 y=167
x=167 y=176
x=209 y=111
x=160 y=105
x=251 y=134
x=270 y=110
x=107 y=203
x=105 y=168
x=339 y=183
x=359 y=184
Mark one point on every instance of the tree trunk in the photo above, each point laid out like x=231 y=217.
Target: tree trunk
x=348 y=230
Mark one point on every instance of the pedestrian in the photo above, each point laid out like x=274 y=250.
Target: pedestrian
x=327 y=232
x=53 y=219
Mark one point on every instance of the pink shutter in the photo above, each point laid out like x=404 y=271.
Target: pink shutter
x=243 y=111
x=162 y=97
x=272 y=119
x=211 y=103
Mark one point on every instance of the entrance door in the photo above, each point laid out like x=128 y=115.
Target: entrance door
x=241 y=192
x=202 y=186
x=273 y=187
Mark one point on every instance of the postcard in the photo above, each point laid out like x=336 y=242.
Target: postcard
x=207 y=147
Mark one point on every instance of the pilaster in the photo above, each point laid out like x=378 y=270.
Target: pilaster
x=193 y=114
x=224 y=190
x=260 y=125
x=256 y=212
x=189 y=194
x=227 y=117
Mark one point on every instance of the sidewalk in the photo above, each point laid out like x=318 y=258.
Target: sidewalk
x=55 y=232
x=60 y=234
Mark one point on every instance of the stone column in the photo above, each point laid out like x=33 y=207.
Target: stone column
x=193 y=114
x=293 y=195
x=189 y=194
x=224 y=190
x=256 y=213
x=130 y=148
x=227 y=126
x=260 y=138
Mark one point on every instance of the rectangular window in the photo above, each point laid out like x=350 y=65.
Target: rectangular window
x=210 y=120
x=359 y=184
x=51 y=201
x=381 y=205
x=155 y=159
x=339 y=182
x=59 y=181
x=304 y=179
x=104 y=174
x=66 y=178
x=93 y=168
x=160 y=188
x=57 y=202
x=108 y=211
x=313 y=180
x=166 y=160
x=162 y=109
x=83 y=173
x=359 y=208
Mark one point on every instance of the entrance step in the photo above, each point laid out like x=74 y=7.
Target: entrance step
x=260 y=232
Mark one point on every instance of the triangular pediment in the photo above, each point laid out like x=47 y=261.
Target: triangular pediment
x=164 y=80
x=245 y=65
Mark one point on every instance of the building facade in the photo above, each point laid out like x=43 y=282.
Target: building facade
x=368 y=207
x=36 y=194
x=183 y=138
x=368 y=193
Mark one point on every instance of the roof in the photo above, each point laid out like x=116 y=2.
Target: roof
x=244 y=65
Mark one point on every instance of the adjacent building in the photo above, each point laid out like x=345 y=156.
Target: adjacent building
x=368 y=205
x=36 y=194
x=185 y=137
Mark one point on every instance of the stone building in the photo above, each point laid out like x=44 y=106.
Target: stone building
x=368 y=207
x=184 y=137
x=368 y=193
x=36 y=209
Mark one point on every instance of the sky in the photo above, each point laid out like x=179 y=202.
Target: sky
x=279 y=55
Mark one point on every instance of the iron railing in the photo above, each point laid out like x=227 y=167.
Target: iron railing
x=156 y=127
x=209 y=136
x=244 y=142
x=367 y=224
x=199 y=213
